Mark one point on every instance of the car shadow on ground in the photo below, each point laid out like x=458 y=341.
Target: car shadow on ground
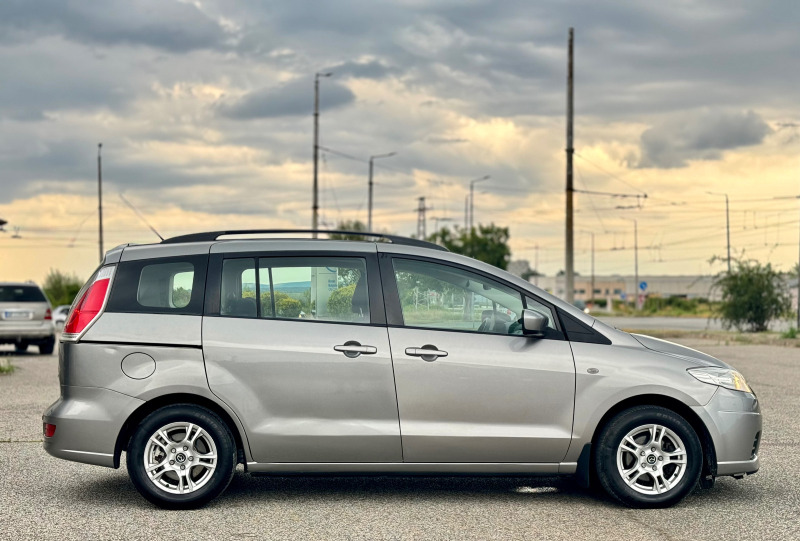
x=117 y=491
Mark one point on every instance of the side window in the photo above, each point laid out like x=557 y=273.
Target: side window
x=239 y=297
x=321 y=288
x=165 y=285
x=443 y=297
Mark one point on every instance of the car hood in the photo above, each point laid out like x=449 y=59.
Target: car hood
x=676 y=350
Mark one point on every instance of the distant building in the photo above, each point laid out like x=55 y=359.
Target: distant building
x=624 y=287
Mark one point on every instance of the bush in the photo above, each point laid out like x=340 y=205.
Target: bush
x=285 y=305
x=752 y=295
x=60 y=287
x=340 y=303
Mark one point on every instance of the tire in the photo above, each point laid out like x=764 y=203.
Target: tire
x=47 y=347
x=20 y=347
x=662 y=466
x=168 y=439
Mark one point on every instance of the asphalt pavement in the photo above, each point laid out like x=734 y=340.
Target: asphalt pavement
x=42 y=497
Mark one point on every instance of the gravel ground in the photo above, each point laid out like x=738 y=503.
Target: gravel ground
x=42 y=497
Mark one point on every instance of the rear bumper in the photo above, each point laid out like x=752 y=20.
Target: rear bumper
x=18 y=332
x=88 y=421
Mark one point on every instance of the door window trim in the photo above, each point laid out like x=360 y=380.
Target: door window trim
x=394 y=310
x=377 y=310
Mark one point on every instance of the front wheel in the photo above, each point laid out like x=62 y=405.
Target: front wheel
x=181 y=457
x=648 y=456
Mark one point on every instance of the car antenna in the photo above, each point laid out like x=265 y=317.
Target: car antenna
x=139 y=214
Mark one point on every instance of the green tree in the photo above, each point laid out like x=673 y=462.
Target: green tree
x=752 y=295
x=487 y=243
x=61 y=287
x=349 y=225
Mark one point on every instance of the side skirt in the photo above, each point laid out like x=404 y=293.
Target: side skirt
x=416 y=468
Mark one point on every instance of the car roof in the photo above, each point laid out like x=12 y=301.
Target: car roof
x=17 y=284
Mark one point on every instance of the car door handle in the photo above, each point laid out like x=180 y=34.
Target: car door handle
x=354 y=349
x=427 y=352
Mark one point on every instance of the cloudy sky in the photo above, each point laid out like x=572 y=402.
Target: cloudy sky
x=204 y=109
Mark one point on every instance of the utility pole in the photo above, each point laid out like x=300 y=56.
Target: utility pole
x=536 y=266
x=636 y=263
x=727 y=226
x=369 y=201
x=421 y=208
x=570 y=262
x=466 y=212
x=798 y=286
x=591 y=294
x=315 y=204
x=472 y=199
x=100 y=199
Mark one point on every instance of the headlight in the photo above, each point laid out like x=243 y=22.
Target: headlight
x=724 y=377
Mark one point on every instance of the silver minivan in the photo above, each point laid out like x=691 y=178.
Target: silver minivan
x=305 y=356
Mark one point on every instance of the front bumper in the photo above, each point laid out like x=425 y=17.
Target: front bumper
x=88 y=421
x=734 y=421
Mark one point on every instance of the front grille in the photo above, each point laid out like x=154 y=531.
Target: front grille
x=755 y=445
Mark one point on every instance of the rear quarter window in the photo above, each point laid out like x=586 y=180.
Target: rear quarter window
x=160 y=286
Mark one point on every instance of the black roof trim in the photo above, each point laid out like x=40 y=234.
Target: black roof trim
x=210 y=236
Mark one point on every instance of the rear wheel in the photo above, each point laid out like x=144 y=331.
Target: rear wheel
x=181 y=457
x=648 y=456
x=47 y=347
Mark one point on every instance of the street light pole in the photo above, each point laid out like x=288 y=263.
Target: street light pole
x=315 y=204
x=472 y=198
x=100 y=199
x=369 y=201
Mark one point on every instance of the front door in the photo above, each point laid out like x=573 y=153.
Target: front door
x=300 y=351
x=470 y=386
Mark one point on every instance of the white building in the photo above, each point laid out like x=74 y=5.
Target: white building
x=624 y=287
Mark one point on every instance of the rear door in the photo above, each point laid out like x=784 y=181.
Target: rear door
x=470 y=386
x=298 y=348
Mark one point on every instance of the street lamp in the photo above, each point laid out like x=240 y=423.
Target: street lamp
x=369 y=201
x=315 y=204
x=727 y=226
x=472 y=198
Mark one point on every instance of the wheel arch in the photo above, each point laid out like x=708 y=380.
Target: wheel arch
x=138 y=415
x=584 y=471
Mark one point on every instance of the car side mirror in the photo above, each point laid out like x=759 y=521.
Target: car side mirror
x=533 y=323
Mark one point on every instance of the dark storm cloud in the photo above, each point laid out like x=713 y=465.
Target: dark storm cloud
x=289 y=99
x=699 y=136
x=164 y=24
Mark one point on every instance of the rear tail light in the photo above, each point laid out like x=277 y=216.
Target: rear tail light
x=48 y=314
x=49 y=430
x=89 y=305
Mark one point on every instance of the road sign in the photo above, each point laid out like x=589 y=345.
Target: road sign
x=623 y=296
x=643 y=285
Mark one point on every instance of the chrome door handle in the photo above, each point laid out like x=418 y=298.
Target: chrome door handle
x=353 y=349
x=426 y=352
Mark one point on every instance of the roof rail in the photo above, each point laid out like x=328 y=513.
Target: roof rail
x=210 y=236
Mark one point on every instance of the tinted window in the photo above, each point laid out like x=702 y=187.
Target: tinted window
x=327 y=289
x=444 y=297
x=320 y=288
x=166 y=285
x=174 y=285
x=21 y=294
x=239 y=288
